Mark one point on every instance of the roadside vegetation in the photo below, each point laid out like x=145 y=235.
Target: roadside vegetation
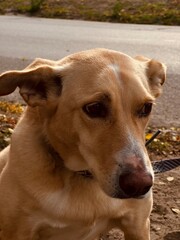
x=165 y=12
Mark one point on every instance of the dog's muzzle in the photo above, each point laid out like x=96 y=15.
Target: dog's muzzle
x=135 y=184
x=134 y=179
x=131 y=184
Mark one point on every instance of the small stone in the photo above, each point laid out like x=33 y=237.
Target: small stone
x=170 y=179
x=161 y=183
x=10 y=130
x=157 y=229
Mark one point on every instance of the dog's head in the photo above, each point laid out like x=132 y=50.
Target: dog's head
x=95 y=106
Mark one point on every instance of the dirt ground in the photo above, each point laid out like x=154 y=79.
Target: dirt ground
x=165 y=217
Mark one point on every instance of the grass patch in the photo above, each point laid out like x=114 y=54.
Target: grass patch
x=124 y=11
x=147 y=13
x=10 y=6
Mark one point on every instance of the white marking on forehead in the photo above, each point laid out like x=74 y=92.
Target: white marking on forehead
x=116 y=69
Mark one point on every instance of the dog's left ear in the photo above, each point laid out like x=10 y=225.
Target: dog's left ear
x=37 y=86
x=156 y=74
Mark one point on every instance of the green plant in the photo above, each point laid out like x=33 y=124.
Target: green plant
x=35 y=5
x=116 y=11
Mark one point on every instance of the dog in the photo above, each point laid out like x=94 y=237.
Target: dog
x=77 y=165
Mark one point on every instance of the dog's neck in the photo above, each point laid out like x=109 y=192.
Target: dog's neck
x=58 y=159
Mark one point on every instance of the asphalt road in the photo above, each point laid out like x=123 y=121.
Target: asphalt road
x=23 y=39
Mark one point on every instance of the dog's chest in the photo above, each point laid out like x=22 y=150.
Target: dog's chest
x=79 y=231
x=72 y=218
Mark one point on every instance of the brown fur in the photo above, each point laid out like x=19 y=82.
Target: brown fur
x=42 y=193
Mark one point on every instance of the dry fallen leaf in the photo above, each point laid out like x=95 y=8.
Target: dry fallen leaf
x=170 y=179
x=148 y=136
x=11 y=107
x=175 y=210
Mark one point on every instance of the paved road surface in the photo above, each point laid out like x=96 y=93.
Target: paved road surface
x=22 y=39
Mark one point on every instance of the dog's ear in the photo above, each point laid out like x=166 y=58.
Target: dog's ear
x=156 y=74
x=37 y=85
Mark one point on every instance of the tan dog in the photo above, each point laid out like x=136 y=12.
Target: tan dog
x=77 y=165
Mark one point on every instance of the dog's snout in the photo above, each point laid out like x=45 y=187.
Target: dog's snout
x=135 y=184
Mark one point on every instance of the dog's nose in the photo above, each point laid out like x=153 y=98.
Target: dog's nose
x=135 y=184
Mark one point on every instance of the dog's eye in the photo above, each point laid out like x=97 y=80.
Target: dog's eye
x=96 y=110
x=145 y=110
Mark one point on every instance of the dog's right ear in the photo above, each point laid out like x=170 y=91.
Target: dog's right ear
x=37 y=86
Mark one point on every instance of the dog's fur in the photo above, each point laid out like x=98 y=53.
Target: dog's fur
x=43 y=193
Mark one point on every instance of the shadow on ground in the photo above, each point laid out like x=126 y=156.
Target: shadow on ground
x=172 y=236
